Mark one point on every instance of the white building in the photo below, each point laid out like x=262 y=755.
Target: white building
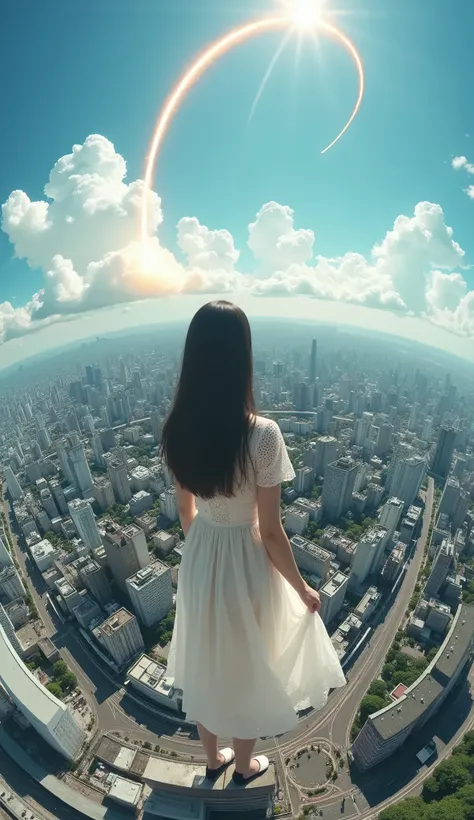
x=338 y=487
x=296 y=520
x=368 y=555
x=50 y=717
x=49 y=504
x=149 y=677
x=310 y=557
x=169 y=504
x=391 y=514
x=103 y=493
x=118 y=475
x=44 y=554
x=11 y=585
x=121 y=636
x=9 y=630
x=84 y=520
x=80 y=469
x=126 y=550
x=140 y=502
x=368 y=604
x=140 y=478
x=12 y=483
x=408 y=478
x=304 y=480
x=441 y=566
x=151 y=593
x=332 y=595
x=164 y=542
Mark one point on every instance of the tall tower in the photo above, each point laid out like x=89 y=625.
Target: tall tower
x=443 y=454
x=313 y=361
x=85 y=523
x=80 y=468
x=338 y=487
x=13 y=484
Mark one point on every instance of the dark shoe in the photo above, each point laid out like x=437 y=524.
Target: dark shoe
x=263 y=763
x=228 y=754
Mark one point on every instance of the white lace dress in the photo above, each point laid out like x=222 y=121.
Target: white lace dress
x=245 y=650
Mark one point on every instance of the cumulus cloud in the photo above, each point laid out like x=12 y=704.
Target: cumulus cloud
x=84 y=236
x=463 y=164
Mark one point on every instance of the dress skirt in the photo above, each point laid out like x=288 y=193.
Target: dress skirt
x=245 y=650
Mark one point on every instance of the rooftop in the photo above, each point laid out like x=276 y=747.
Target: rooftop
x=116 y=621
x=42 y=548
x=147 y=574
x=125 y=790
x=20 y=683
x=429 y=686
x=334 y=583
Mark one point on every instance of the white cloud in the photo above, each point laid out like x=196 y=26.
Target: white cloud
x=274 y=240
x=85 y=239
x=462 y=163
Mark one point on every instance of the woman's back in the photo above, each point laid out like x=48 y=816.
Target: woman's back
x=269 y=466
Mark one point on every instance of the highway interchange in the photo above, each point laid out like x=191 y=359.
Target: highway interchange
x=117 y=710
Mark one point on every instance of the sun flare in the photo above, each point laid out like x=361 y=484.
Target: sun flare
x=305 y=14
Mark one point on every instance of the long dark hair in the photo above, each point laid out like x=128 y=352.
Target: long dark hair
x=205 y=437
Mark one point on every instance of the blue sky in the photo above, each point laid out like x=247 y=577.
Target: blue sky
x=105 y=67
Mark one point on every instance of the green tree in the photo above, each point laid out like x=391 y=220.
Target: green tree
x=388 y=672
x=379 y=688
x=68 y=681
x=466 y=747
x=448 y=777
x=450 y=808
x=55 y=689
x=59 y=669
x=368 y=705
x=413 y=808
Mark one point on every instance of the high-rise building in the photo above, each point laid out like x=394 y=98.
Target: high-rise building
x=441 y=566
x=313 y=362
x=427 y=429
x=151 y=593
x=94 y=579
x=408 y=478
x=362 y=428
x=310 y=557
x=9 y=630
x=443 y=454
x=121 y=636
x=155 y=420
x=391 y=514
x=51 y=718
x=450 y=497
x=103 y=493
x=368 y=556
x=84 y=520
x=338 y=487
x=13 y=484
x=5 y=557
x=126 y=551
x=11 y=585
x=332 y=595
x=48 y=503
x=384 y=439
x=304 y=480
x=118 y=475
x=325 y=452
x=413 y=420
x=80 y=469
x=97 y=449
x=62 y=452
x=58 y=496
x=169 y=504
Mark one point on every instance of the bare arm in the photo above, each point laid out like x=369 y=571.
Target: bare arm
x=186 y=507
x=278 y=547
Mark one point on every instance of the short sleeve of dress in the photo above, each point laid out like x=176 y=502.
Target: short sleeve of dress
x=273 y=464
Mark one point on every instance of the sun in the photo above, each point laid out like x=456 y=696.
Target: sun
x=305 y=14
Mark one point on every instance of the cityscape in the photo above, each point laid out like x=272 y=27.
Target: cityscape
x=380 y=520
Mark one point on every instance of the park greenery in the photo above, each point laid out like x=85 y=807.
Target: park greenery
x=62 y=680
x=447 y=795
x=160 y=634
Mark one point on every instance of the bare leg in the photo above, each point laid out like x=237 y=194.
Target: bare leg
x=244 y=763
x=209 y=741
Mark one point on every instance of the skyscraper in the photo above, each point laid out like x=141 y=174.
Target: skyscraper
x=443 y=454
x=441 y=566
x=80 y=468
x=5 y=557
x=94 y=579
x=13 y=484
x=126 y=551
x=151 y=593
x=118 y=478
x=9 y=630
x=325 y=453
x=338 y=487
x=313 y=361
x=408 y=478
x=121 y=636
x=85 y=523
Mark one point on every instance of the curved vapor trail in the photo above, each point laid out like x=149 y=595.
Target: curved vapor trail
x=268 y=74
x=205 y=60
